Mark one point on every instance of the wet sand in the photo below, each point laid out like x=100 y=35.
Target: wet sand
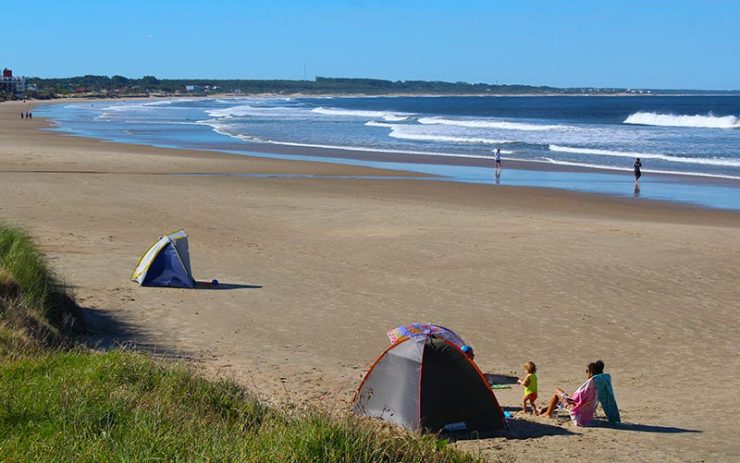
x=317 y=269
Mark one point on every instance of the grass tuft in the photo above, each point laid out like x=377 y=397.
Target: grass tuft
x=33 y=304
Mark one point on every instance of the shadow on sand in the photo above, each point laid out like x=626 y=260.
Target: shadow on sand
x=525 y=428
x=518 y=429
x=650 y=428
x=105 y=331
x=532 y=429
x=500 y=379
x=224 y=286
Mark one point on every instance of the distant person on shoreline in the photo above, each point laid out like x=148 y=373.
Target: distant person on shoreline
x=637 y=166
x=22 y=115
x=497 y=157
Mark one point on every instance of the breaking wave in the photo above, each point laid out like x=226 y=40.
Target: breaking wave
x=672 y=120
x=662 y=157
x=157 y=104
x=488 y=124
x=385 y=115
x=397 y=132
x=379 y=124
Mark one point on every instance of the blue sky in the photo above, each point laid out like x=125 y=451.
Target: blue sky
x=656 y=44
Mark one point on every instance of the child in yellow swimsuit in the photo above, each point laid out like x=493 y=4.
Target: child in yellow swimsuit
x=530 y=387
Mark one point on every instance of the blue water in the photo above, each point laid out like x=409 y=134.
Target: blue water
x=691 y=136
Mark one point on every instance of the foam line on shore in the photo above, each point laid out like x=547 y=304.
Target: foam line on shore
x=628 y=169
x=632 y=154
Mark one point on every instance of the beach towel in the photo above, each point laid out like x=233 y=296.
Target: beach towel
x=605 y=393
x=584 y=402
x=500 y=386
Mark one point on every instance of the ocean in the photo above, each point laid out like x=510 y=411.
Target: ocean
x=690 y=136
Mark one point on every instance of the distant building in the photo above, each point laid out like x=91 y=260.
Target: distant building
x=12 y=85
x=193 y=88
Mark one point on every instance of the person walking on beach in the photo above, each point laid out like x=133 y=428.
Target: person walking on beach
x=637 y=166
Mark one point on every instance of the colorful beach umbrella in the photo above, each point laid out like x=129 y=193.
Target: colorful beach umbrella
x=421 y=330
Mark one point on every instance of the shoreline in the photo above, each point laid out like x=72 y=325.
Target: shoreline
x=404 y=161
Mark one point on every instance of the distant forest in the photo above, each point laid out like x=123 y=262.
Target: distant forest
x=104 y=86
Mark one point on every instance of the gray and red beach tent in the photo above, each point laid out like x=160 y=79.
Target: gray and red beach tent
x=429 y=384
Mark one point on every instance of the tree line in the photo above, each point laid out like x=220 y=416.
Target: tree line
x=105 y=86
x=120 y=85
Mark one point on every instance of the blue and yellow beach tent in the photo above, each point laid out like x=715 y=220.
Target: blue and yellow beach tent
x=166 y=263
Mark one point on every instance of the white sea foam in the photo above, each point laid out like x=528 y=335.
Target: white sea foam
x=233 y=111
x=223 y=128
x=420 y=133
x=385 y=115
x=672 y=120
x=629 y=169
x=402 y=132
x=227 y=129
x=488 y=124
x=252 y=110
x=663 y=157
x=379 y=124
x=394 y=118
x=140 y=106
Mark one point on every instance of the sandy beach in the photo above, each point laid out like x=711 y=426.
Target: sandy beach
x=317 y=267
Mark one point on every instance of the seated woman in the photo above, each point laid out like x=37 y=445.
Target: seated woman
x=582 y=403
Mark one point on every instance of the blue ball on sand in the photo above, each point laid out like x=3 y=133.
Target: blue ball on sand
x=214 y=283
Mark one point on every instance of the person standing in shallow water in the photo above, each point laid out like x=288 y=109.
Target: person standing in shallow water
x=497 y=172
x=637 y=166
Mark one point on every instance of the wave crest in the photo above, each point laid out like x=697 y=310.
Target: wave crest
x=672 y=120
x=487 y=124
x=396 y=132
x=385 y=115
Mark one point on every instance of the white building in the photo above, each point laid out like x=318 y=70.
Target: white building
x=10 y=84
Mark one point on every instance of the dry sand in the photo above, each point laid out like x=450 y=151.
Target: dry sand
x=317 y=269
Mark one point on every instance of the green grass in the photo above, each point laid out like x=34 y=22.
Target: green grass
x=60 y=402
x=22 y=261
x=124 y=406
x=34 y=306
